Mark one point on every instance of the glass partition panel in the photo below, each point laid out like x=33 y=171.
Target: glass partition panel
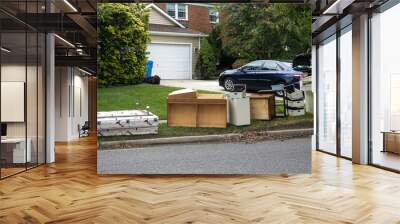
x=346 y=92
x=327 y=95
x=22 y=77
x=385 y=89
x=15 y=151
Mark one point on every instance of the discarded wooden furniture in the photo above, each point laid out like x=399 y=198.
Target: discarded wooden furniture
x=262 y=106
x=188 y=108
x=391 y=141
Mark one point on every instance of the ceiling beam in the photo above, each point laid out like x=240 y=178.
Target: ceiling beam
x=79 y=61
x=89 y=30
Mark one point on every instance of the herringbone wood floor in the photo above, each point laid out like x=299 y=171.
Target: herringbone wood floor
x=70 y=191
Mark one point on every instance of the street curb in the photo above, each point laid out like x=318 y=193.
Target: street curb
x=290 y=133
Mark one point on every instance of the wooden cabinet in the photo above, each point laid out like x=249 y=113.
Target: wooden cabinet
x=391 y=142
x=187 y=108
x=262 y=106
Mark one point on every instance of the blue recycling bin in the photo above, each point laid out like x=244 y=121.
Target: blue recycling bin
x=149 y=69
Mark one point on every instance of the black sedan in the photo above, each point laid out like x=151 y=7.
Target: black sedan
x=261 y=75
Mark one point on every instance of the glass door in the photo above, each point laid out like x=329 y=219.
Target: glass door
x=385 y=89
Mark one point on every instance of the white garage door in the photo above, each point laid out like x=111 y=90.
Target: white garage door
x=171 y=61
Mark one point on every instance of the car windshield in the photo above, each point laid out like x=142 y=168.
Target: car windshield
x=286 y=65
x=254 y=65
x=266 y=65
x=272 y=66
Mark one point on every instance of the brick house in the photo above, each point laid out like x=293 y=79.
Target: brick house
x=176 y=31
x=197 y=16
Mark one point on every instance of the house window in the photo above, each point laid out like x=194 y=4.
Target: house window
x=171 y=10
x=177 y=11
x=213 y=15
x=181 y=11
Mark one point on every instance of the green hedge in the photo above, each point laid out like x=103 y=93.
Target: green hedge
x=123 y=37
x=207 y=62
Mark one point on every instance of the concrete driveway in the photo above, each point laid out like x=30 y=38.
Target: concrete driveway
x=209 y=85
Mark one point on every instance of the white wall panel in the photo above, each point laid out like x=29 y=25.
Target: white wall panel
x=12 y=101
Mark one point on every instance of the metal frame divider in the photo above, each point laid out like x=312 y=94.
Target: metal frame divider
x=338 y=76
x=316 y=97
x=369 y=71
x=37 y=91
x=26 y=87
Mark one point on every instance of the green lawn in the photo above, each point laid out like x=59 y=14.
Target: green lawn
x=279 y=106
x=135 y=97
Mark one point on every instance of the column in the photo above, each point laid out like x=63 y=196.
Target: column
x=360 y=90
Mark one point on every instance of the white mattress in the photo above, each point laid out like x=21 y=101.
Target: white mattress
x=127 y=122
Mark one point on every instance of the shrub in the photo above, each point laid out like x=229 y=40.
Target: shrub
x=123 y=38
x=207 y=62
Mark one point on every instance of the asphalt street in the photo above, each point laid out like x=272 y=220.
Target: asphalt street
x=291 y=156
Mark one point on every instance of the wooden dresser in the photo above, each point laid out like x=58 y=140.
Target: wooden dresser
x=391 y=141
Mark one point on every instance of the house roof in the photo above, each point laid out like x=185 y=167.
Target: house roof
x=158 y=28
x=152 y=5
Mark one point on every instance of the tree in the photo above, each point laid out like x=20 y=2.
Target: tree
x=215 y=41
x=223 y=58
x=123 y=37
x=207 y=62
x=265 y=31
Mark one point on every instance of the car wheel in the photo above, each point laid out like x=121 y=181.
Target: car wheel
x=229 y=84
